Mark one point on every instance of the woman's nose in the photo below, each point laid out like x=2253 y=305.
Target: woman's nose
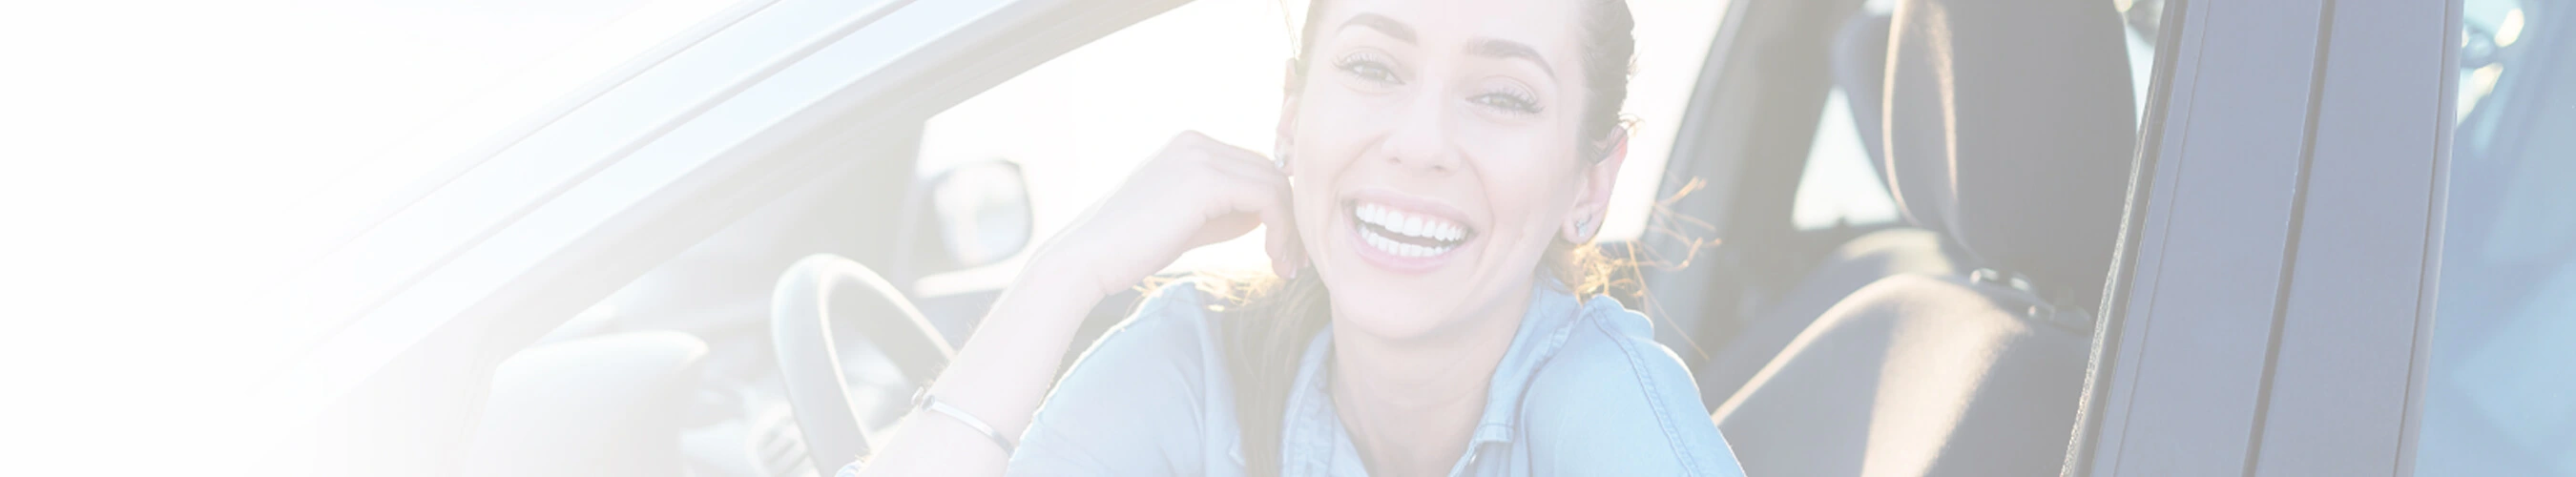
x=1421 y=139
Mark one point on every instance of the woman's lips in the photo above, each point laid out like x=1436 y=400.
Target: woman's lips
x=1404 y=239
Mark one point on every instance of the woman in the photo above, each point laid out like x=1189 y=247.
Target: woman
x=1440 y=166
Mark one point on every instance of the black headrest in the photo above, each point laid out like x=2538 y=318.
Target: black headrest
x=2010 y=123
x=1860 y=68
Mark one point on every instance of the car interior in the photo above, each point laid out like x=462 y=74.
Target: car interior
x=1950 y=342
x=2014 y=151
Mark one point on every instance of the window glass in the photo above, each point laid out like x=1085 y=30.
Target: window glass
x=1079 y=123
x=1841 y=185
x=2498 y=394
x=2143 y=18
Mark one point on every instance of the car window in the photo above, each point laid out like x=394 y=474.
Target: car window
x=1079 y=123
x=2497 y=396
x=1840 y=185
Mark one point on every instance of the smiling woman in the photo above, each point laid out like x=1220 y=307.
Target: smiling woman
x=1438 y=172
x=1213 y=66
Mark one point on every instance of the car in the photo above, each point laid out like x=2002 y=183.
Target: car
x=2200 y=236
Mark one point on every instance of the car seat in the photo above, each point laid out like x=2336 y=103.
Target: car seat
x=2010 y=129
x=1860 y=64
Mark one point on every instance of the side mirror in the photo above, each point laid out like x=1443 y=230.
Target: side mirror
x=983 y=211
x=968 y=216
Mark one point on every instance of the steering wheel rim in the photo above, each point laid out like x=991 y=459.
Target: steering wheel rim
x=802 y=306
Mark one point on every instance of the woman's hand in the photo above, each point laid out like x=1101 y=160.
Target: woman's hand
x=1194 y=192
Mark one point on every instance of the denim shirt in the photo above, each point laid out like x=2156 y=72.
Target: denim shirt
x=1583 y=389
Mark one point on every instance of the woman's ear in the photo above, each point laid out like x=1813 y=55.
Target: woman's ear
x=1592 y=194
x=1287 y=117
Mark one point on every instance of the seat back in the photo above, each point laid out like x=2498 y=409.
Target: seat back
x=2009 y=129
x=1860 y=70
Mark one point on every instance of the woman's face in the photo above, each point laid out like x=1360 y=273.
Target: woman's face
x=1432 y=146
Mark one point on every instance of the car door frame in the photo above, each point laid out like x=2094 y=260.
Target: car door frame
x=2273 y=290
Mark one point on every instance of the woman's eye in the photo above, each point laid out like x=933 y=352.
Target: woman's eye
x=1507 y=102
x=1369 y=69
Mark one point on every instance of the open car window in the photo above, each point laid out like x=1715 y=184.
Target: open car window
x=1079 y=123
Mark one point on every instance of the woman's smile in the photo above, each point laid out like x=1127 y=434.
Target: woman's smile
x=1403 y=234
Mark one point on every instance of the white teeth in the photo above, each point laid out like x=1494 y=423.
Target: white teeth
x=1400 y=249
x=1392 y=221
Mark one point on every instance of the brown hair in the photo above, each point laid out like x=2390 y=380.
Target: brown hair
x=1271 y=320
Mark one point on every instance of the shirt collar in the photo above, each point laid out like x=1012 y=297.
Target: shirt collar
x=1544 y=327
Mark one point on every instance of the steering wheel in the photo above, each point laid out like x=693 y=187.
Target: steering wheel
x=816 y=294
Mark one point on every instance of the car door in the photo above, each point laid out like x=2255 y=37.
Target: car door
x=2322 y=275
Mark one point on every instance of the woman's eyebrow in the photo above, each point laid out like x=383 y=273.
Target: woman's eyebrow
x=1503 y=49
x=1486 y=47
x=1382 y=24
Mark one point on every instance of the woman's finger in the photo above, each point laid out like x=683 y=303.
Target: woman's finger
x=1257 y=187
x=1237 y=190
x=1238 y=201
x=1287 y=254
x=1261 y=188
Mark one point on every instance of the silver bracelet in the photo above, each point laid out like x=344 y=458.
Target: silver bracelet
x=923 y=401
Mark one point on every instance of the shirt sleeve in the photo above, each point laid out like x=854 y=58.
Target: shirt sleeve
x=1613 y=402
x=1135 y=404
